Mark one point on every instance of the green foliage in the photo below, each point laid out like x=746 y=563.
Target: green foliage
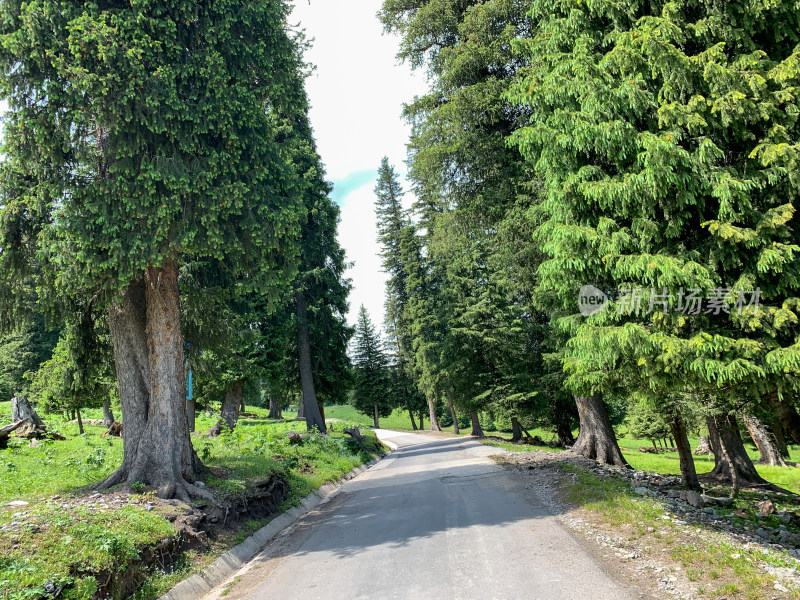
x=371 y=374
x=23 y=351
x=645 y=423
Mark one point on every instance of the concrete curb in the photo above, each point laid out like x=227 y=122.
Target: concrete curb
x=217 y=572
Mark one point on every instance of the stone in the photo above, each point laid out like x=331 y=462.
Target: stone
x=642 y=491
x=34 y=443
x=17 y=503
x=766 y=508
x=673 y=493
x=785 y=516
x=694 y=499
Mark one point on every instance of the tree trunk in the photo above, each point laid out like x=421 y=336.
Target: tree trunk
x=764 y=441
x=688 y=472
x=731 y=460
x=375 y=416
x=477 y=430
x=565 y=437
x=108 y=416
x=780 y=439
x=449 y=395
x=230 y=408
x=191 y=408
x=243 y=407
x=787 y=415
x=80 y=422
x=421 y=420
x=301 y=409
x=413 y=422
x=432 y=416
x=516 y=430
x=274 y=408
x=148 y=352
x=311 y=408
x=596 y=438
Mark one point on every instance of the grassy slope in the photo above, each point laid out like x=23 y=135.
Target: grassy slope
x=53 y=544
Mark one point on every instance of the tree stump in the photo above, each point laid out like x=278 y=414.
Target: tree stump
x=21 y=410
x=356 y=435
x=294 y=437
x=703 y=447
x=115 y=430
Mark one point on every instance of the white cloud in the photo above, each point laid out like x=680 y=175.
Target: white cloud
x=357 y=93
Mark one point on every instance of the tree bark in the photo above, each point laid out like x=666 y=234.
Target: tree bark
x=191 y=408
x=477 y=430
x=21 y=409
x=311 y=408
x=301 y=409
x=732 y=463
x=376 y=416
x=80 y=422
x=449 y=394
x=516 y=430
x=229 y=415
x=274 y=408
x=787 y=415
x=421 y=420
x=413 y=422
x=688 y=471
x=432 y=416
x=764 y=441
x=596 y=438
x=565 y=437
x=243 y=407
x=148 y=353
x=108 y=416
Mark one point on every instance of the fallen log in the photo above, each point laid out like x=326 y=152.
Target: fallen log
x=6 y=431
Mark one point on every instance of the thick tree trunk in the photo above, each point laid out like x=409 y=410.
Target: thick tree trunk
x=780 y=439
x=787 y=415
x=191 y=409
x=80 y=422
x=376 y=416
x=730 y=457
x=148 y=352
x=516 y=430
x=421 y=420
x=432 y=416
x=301 y=410
x=243 y=406
x=596 y=438
x=229 y=415
x=477 y=430
x=565 y=437
x=449 y=395
x=108 y=416
x=764 y=441
x=310 y=407
x=274 y=408
x=413 y=422
x=688 y=472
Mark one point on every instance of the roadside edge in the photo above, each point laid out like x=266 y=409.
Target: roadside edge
x=199 y=584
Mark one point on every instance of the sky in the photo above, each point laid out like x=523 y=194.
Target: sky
x=357 y=92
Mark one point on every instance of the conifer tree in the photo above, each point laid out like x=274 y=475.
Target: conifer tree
x=371 y=374
x=664 y=135
x=141 y=136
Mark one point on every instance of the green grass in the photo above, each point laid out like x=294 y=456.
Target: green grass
x=398 y=420
x=50 y=544
x=69 y=547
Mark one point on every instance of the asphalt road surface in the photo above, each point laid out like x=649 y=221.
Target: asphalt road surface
x=437 y=519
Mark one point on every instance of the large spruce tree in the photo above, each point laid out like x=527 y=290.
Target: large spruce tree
x=139 y=136
x=665 y=138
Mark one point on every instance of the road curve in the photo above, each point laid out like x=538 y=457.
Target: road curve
x=438 y=520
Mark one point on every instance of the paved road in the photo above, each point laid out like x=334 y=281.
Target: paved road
x=438 y=520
